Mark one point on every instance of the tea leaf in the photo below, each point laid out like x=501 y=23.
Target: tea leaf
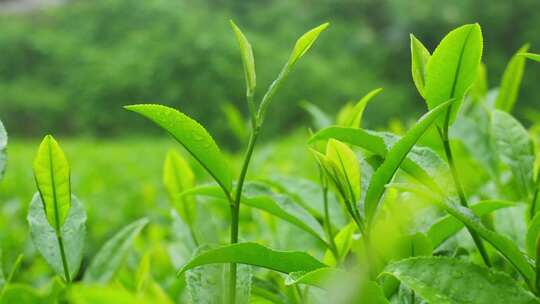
x=515 y=149
x=419 y=165
x=3 y=144
x=355 y=116
x=453 y=67
x=511 y=80
x=45 y=240
x=532 y=235
x=318 y=278
x=535 y=57
x=479 y=88
x=504 y=245
x=447 y=226
x=177 y=174
x=447 y=280
x=51 y=171
x=395 y=157
x=281 y=206
x=343 y=241
x=256 y=255
x=193 y=137
x=109 y=258
x=304 y=43
x=247 y=59
x=345 y=167
x=419 y=59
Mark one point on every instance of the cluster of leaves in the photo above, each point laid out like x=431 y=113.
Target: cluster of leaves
x=392 y=206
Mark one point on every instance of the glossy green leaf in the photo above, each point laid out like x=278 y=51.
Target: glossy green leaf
x=280 y=206
x=256 y=255
x=453 y=67
x=355 y=116
x=319 y=278
x=503 y=244
x=419 y=59
x=395 y=157
x=345 y=168
x=535 y=57
x=3 y=145
x=447 y=226
x=247 y=59
x=511 y=81
x=304 y=43
x=515 y=149
x=320 y=119
x=454 y=281
x=51 y=171
x=533 y=231
x=45 y=240
x=109 y=258
x=193 y=137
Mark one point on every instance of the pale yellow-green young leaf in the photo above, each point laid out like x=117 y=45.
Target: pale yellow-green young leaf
x=452 y=68
x=52 y=175
x=247 y=59
x=346 y=168
x=479 y=88
x=532 y=56
x=177 y=174
x=419 y=60
x=344 y=114
x=355 y=116
x=305 y=42
x=343 y=241
x=511 y=81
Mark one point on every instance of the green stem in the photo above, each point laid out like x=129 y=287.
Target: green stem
x=462 y=198
x=235 y=210
x=535 y=197
x=63 y=256
x=327 y=222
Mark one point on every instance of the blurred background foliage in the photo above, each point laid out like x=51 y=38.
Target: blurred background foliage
x=69 y=68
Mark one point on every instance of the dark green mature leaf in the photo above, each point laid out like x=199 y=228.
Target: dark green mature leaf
x=256 y=255
x=193 y=137
x=318 y=278
x=247 y=59
x=51 y=171
x=45 y=239
x=515 y=149
x=535 y=57
x=395 y=157
x=3 y=144
x=281 y=206
x=355 y=116
x=453 y=281
x=111 y=255
x=504 y=245
x=419 y=59
x=532 y=235
x=448 y=226
x=453 y=67
x=511 y=81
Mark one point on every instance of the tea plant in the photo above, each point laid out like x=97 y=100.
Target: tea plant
x=444 y=212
